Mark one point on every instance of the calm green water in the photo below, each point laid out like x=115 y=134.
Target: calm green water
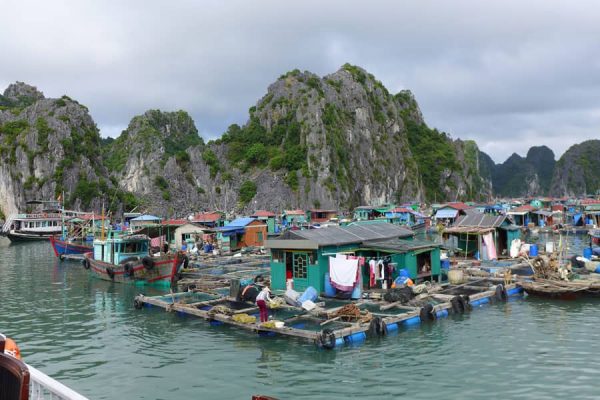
x=86 y=333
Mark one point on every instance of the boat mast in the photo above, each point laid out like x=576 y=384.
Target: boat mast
x=102 y=235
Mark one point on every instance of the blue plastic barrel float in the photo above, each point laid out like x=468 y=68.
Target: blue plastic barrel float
x=356 y=292
x=533 y=250
x=446 y=264
x=587 y=253
x=329 y=290
x=355 y=338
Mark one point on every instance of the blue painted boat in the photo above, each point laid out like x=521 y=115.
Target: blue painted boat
x=62 y=247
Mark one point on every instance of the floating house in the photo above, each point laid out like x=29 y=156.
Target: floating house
x=241 y=232
x=316 y=216
x=521 y=215
x=143 y=221
x=363 y=213
x=189 y=233
x=302 y=256
x=209 y=219
x=481 y=235
x=268 y=218
x=448 y=213
x=293 y=218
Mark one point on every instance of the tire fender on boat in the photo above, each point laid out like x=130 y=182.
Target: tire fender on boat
x=458 y=305
x=86 y=263
x=128 y=269
x=111 y=273
x=148 y=263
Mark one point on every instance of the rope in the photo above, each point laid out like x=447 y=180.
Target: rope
x=351 y=312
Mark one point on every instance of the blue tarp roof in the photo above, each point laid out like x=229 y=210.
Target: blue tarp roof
x=240 y=222
x=235 y=226
x=146 y=217
x=446 y=213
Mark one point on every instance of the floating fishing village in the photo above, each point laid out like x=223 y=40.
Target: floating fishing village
x=328 y=277
x=272 y=200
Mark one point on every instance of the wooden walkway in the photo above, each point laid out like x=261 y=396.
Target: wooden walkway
x=330 y=332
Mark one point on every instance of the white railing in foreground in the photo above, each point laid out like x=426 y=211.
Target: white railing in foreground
x=43 y=387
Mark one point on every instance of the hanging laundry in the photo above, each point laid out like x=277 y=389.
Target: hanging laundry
x=343 y=273
x=372 y=274
x=491 y=246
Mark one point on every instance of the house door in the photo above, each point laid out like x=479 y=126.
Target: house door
x=300 y=271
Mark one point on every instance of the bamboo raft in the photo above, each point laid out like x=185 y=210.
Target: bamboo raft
x=328 y=327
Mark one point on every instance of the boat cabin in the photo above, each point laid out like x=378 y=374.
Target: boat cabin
x=117 y=247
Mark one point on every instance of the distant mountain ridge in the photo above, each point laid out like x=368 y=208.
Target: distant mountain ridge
x=336 y=141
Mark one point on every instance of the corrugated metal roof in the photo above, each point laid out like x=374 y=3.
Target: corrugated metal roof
x=480 y=221
x=339 y=235
x=400 y=245
x=446 y=213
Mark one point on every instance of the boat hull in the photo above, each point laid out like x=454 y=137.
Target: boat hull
x=62 y=247
x=162 y=272
x=27 y=237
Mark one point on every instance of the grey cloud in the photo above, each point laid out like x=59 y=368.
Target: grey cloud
x=507 y=74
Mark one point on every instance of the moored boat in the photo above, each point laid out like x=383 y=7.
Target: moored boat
x=66 y=247
x=126 y=258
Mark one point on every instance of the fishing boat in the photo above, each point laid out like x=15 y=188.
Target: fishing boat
x=558 y=289
x=123 y=257
x=68 y=247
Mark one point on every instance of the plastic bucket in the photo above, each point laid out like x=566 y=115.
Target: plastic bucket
x=446 y=264
x=329 y=290
x=587 y=253
x=533 y=250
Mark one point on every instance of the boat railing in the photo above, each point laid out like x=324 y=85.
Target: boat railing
x=42 y=387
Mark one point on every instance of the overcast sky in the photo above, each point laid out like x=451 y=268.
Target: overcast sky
x=509 y=74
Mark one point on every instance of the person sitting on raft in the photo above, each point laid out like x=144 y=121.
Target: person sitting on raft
x=261 y=302
x=402 y=279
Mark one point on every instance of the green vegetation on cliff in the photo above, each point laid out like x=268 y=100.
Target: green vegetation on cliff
x=435 y=156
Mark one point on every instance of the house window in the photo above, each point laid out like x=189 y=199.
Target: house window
x=300 y=266
x=277 y=256
x=259 y=237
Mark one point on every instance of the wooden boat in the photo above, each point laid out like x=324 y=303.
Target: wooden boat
x=62 y=247
x=558 y=289
x=125 y=257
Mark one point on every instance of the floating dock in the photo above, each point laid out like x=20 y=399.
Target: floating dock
x=324 y=326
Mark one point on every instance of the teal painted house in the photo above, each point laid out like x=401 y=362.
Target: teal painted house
x=303 y=255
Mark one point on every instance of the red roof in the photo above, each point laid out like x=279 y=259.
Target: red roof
x=294 y=212
x=526 y=207
x=207 y=217
x=589 y=201
x=457 y=206
x=401 y=210
x=175 y=222
x=263 y=213
x=91 y=216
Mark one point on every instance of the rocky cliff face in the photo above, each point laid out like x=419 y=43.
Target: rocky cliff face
x=577 y=171
x=529 y=176
x=47 y=146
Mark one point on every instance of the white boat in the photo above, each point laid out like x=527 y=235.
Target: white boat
x=39 y=225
